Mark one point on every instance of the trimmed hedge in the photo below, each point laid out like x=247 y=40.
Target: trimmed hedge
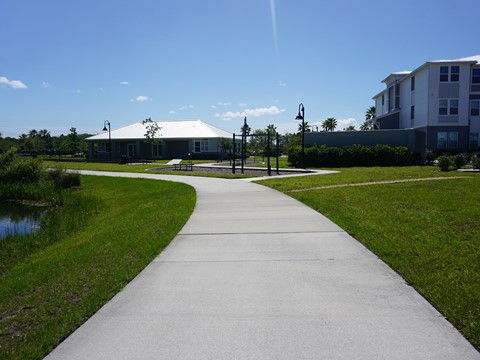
x=349 y=156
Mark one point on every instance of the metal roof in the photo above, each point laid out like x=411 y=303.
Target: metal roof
x=183 y=129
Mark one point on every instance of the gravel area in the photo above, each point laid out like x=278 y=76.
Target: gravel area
x=223 y=170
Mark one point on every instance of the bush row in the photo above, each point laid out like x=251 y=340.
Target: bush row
x=452 y=162
x=349 y=156
x=25 y=178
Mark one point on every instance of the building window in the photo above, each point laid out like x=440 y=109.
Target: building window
x=443 y=73
x=454 y=73
x=204 y=145
x=447 y=140
x=448 y=107
x=200 y=145
x=390 y=98
x=473 y=140
x=397 y=96
x=443 y=107
x=412 y=83
x=453 y=107
x=476 y=76
x=383 y=100
x=132 y=150
x=157 y=150
x=474 y=107
x=412 y=112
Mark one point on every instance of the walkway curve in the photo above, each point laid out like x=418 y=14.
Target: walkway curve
x=255 y=274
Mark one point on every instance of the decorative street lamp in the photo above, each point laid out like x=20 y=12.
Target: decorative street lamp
x=105 y=123
x=301 y=116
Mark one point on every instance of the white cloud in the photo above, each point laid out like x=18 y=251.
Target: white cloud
x=171 y=112
x=241 y=104
x=271 y=111
x=186 y=107
x=341 y=124
x=213 y=106
x=281 y=83
x=290 y=127
x=46 y=85
x=123 y=82
x=224 y=103
x=141 y=98
x=344 y=123
x=14 y=84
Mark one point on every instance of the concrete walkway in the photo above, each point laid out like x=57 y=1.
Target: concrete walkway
x=254 y=274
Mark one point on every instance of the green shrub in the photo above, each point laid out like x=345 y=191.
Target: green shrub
x=476 y=161
x=460 y=160
x=7 y=158
x=63 y=179
x=429 y=157
x=22 y=170
x=352 y=155
x=445 y=162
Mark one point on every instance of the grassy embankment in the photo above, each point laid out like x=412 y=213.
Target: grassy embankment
x=52 y=281
x=428 y=231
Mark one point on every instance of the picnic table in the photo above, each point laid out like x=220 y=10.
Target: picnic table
x=177 y=165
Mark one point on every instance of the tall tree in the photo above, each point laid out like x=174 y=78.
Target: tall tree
x=329 y=124
x=73 y=140
x=152 y=131
x=370 y=122
x=303 y=124
x=370 y=113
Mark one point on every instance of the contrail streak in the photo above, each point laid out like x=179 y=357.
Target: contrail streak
x=274 y=25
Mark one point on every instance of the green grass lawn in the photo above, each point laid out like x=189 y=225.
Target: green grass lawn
x=137 y=168
x=51 y=289
x=428 y=231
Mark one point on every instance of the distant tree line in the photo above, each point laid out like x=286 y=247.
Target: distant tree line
x=41 y=142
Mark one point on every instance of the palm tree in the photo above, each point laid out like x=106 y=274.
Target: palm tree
x=350 y=128
x=370 y=113
x=329 y=124
x=370 y=119
x=300 y=127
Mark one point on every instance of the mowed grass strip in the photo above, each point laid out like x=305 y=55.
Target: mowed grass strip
x=53 y=291
x=428 y=231
x=358 y=175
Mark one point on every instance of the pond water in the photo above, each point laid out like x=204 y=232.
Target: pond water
x=18 y=218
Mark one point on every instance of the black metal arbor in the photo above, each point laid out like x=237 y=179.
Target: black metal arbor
x=244 y=137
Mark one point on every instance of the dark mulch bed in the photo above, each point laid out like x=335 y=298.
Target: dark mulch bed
x=223 y=170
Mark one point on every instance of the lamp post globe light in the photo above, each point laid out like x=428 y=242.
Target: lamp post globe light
x=301 y=116
x=105 y=123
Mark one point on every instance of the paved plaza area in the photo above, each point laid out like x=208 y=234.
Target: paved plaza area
x=255 y=274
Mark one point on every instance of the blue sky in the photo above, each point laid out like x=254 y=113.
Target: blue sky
x=70 y=64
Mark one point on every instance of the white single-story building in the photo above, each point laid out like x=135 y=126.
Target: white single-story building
x=176 y=139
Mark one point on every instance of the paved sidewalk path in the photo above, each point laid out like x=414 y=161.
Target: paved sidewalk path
x=254 y=274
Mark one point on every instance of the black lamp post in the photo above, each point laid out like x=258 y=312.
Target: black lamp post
x=301 y=116
x=105 y=123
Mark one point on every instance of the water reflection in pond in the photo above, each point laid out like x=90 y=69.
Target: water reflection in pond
x=16 y=218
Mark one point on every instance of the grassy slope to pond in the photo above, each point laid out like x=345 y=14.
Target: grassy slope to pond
x=49 y=293
x=428 y=231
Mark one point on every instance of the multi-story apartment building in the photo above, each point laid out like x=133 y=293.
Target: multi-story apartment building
x=440 y=98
